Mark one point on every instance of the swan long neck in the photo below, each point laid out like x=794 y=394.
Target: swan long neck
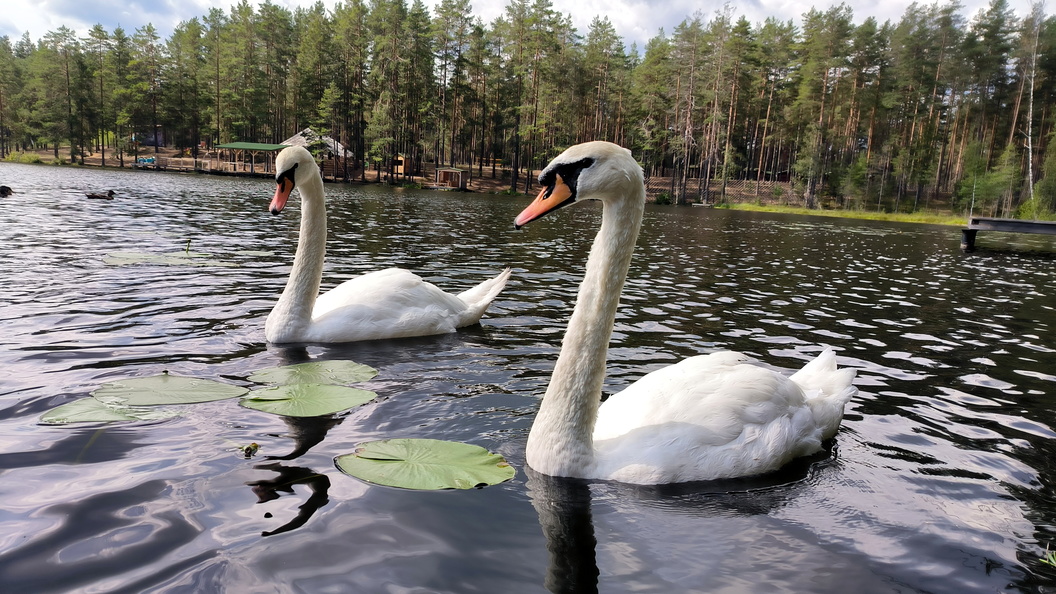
x=293 y=312
x=561 y=440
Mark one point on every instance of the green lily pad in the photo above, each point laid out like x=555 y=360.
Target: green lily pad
x=92 y=410
x=425 y=464
x=306 y=400
x=165 y=389
x=315 y=372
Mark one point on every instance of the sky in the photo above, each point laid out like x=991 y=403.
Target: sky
x=636 y=21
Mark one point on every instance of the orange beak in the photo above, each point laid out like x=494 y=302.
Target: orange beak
x=282 y=194
x=549 y=198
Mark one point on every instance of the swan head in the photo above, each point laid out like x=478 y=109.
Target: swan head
x=590 y=171
x=293 y=166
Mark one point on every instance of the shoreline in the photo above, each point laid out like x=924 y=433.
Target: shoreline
x=496 y=186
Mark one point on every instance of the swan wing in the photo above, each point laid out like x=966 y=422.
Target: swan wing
x=707 y=417
x=390 y=303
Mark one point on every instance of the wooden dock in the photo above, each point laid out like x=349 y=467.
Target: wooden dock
x=977 y=224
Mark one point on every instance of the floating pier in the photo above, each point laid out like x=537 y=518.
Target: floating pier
x=976 y=224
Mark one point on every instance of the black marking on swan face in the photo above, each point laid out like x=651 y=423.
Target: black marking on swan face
x=288 y=174
x=569 y=173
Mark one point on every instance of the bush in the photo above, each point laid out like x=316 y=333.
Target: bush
x=662 y=198
x=18 y=157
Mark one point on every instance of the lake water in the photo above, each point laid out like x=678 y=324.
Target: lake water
x=940 y=479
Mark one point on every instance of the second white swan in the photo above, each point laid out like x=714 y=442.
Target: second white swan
x=707 y=417
x=390 y=303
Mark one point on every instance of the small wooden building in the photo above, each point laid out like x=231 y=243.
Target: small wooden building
x=398 y=164
x=451 y=178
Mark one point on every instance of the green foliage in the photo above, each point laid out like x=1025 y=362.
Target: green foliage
x=663 y=198
x=17 y=157
x=985 y=189
x=1045 y=188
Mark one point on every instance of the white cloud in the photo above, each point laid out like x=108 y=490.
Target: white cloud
x=635 y=20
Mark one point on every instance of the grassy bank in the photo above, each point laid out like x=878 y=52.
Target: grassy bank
x=929 y=217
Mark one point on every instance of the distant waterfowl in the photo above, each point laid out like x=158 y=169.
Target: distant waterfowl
x=391 y=303
x=708 y=417
x=107 y=196
x=5 y=191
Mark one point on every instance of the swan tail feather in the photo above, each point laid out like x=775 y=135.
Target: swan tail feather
x=480 y=297
x=828 y=390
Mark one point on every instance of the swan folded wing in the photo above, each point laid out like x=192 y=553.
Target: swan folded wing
x=675 y=452
x=718 y=395
x=704 y=418
x=390 y=303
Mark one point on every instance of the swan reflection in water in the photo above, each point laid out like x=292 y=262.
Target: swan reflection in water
x=564 y=507
x=288 y=476
x=306 y=433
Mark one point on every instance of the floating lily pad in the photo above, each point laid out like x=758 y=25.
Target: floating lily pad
x=425 y=464
x=306 y=400
x=93 y=410
x=165 y=389
x=315 y=372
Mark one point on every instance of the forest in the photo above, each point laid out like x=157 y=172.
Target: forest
x=938 y=110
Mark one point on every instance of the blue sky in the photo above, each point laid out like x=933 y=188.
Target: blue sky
x=634 y=20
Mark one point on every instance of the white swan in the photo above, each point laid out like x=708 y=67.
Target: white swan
x=391 y=303
x=707 y=417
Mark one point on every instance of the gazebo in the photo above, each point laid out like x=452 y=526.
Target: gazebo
x=237 y=162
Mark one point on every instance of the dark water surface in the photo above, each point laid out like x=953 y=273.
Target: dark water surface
x=941 y=478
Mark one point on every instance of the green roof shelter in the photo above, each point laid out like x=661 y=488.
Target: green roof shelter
x=237 y=163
